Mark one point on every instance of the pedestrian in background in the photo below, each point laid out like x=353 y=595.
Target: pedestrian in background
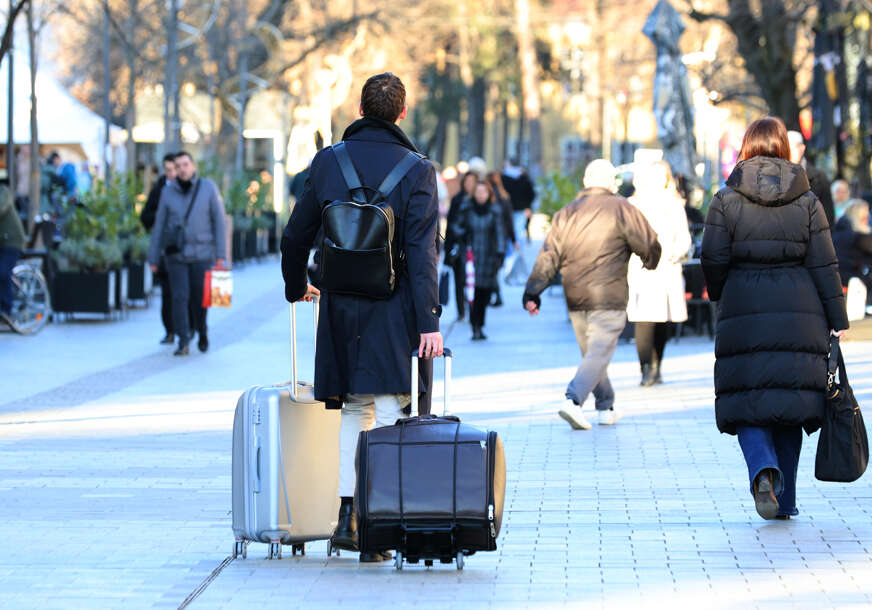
x=817 y=178
x=769 y=261
x=852 y=238
x=148 y=217
x=192 y=205
x=589 y=244
x=657 y=295
x=841 y=198
x=454 y=257
x=523 y=194
x=504 y=200
x=12 y=239
x=480 y=227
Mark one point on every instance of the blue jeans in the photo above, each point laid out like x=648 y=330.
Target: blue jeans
x=8 y=258
x=778 y=448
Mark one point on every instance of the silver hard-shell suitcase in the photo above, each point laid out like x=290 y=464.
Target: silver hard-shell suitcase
x=285 y=464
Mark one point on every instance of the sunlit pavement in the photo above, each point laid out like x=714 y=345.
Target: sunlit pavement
x=115 y=478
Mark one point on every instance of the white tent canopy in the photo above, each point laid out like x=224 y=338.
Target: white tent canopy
x=61 y=119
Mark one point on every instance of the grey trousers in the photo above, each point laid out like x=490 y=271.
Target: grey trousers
x=597 y=334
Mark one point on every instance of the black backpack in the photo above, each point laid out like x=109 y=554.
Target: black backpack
x=360 y=254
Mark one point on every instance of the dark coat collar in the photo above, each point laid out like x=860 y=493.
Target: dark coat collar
x=372 y=129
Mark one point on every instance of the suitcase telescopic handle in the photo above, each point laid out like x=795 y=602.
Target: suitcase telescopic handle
x=315 y=302
x=446 y=354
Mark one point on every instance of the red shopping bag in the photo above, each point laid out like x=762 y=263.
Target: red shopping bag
x=218 y=288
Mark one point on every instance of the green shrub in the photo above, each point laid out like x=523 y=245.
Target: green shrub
x=88 y=255
x=556 y=190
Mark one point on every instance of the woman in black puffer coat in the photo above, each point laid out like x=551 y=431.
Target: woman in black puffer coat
x=480 y=227
x=769 y=261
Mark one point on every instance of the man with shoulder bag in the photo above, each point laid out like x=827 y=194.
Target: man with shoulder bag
x=374 y=200
x=189 y=231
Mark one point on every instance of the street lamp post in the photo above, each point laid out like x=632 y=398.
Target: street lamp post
x=107 y=83
x=10 y=140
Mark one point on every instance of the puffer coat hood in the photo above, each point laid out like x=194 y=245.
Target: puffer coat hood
x=769 y=262
x=769 y=181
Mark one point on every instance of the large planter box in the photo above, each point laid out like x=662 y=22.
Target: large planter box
x=262 y=242
x=238 y=247
x=84 y=292
x=273 y=237
x=251 y=243
x=139 y=282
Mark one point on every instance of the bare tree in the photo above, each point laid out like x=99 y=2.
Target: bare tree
x=766 y=38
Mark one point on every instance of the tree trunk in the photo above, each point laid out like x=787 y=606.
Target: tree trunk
x=504 y=112
x=130 y=56
x=529 y=84
x=475 y=108
x=34 y=133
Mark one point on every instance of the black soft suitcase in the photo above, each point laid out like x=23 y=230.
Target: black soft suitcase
x=429 y=488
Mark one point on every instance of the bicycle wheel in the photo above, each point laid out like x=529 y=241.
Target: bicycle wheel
x=31 y=303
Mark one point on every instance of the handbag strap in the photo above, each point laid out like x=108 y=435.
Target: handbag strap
x=836 y=362
x=193 y=199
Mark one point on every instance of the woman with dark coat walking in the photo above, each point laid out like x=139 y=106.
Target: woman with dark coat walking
x=454 y=258
x=504 y=200
x=480 y=227
x=769 y=261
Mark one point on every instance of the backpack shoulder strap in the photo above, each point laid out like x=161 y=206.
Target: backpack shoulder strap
x=398 y=173
x=349 y=174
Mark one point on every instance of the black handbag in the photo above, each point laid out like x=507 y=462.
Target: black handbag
x=174 y=238
x=360 y=254
x=444 y=288
x=843 y=447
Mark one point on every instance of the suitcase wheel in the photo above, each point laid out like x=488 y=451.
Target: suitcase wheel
x=459 y=560
x=398 y=561
x=275 y=550
x=240 y=548
x=299 y=547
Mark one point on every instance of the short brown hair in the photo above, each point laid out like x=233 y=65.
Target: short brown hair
x=766 y=137
x=383 y=97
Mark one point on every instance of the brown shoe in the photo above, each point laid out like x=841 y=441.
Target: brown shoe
x=764 y=495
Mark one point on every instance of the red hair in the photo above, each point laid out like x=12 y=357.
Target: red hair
x=766 y=137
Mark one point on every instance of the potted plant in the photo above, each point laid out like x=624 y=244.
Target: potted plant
x=90 y=276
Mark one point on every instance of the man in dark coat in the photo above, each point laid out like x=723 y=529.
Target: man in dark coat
x=589 y=244
x=364 y=344
x=147 y=217
x=818 y=181
x=522 y=193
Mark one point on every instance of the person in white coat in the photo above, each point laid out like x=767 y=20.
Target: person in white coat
x=657 y=295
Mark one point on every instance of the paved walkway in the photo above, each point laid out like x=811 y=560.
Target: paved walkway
x=115 y=479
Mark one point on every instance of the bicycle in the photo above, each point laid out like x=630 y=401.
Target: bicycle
x=31 y=299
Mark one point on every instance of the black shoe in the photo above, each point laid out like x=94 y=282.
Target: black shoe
x=203 y=343
x=375 y=557
x=345 y=534
x=497 y=302
x=764 y=494
x=647 y=376
x=168 y=339
x=461 y=316
x=477 y=335
x=655 y=374
x=183 y=350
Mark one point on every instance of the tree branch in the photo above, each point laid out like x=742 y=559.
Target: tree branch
x=10 y=28
x=700 y=16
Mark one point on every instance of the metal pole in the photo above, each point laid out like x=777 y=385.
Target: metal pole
x=10 y=139
x=107 y=83
x=243 y=89
x=171 y=79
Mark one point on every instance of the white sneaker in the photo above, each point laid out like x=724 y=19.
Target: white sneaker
x=571 y=412
x=609 y=418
